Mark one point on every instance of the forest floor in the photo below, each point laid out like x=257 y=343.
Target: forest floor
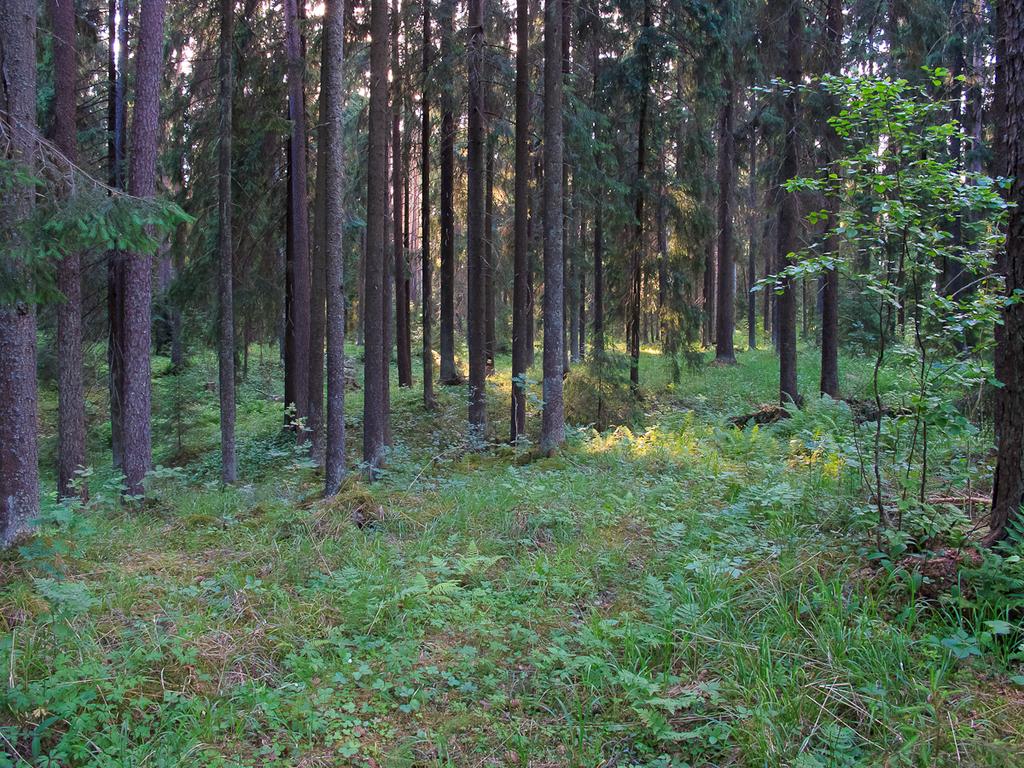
x=680 y=593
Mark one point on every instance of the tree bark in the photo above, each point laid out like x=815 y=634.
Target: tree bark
x=553 y=417
x=426 y=276
x=725 y=325
x=401 y=264
x=70 y=390
x=789 y=214
x=333 y=243
x=138 y=269
x=490 y=342
x=598 y=283
x=117 y=32
x=475 y=299
x=568 y=321
x=636 y=254
x=226 y=349
x=829 y=383
x=297 y=325
x=375 y=352
x=1008 y=488
x=19 y=470
x=318 y=290
x=520 y=227
x=449 y=374
x=752 y=245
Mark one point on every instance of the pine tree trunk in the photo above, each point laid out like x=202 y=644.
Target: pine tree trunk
x=752 y=246
x=117 y=32
x=333 y=242
x=567 y=278
x=404 y=355
x=475 y=299
x=789 y=215
x=829 y=383
x=318 y=287
x=489 y=257
x=553 y=417
x=426 y=276
x=19 y=470
x=138 y=269
x=449 y=375
x=598 y=284
x=636 y=252
x=521 y=318
x=725 y=325
x=70 y=390
x=297 y=327
x=226 y=349
x=375 y=352
x=581 y=294
x=1008 y=489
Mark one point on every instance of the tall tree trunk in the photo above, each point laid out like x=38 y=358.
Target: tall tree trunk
x=1008 y=488
x=375 y=353
x=138 y=275
x=333 y=242
x=489 y=257
x=708 y=290
x=829 y=383
x=401 y=263
x=226 y=350
x=553 y=417
x=297 y=327
x=318 y=282
x=475 y=227
x=789 y=215
x=521 y=318
x=117 y=53
x=567 y=281
x=388 y=292
x=752 y=245
x=19 y=469
x=637 y=250
x=449 y=374
x=661 y=222
x=426 y=276
x=581 y=294
x=725 y=325
x=70 y=390
x=598 y=283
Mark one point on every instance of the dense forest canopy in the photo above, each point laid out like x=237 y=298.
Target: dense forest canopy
x=345 y=271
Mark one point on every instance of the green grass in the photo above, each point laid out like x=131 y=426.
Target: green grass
x=676 y=593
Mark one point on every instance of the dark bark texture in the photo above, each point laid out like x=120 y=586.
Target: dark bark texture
x=138 y=288
x=475 y=228
x=1008 y=490
x=297 y=321
x=789 y=213
x=70 y=390
x=19 y=471
x=401 y=264
x=376 y=353
x=426 y=273
x=520 y=226
x=725 y=324
x=225 y=278
x=334 y=255
x=553 y=417
x=449 y=374
x=829 y=383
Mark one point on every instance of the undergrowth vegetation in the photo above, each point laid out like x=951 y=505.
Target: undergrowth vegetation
x=671 y=591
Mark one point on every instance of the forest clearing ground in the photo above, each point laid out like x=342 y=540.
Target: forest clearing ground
x=677 y=594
